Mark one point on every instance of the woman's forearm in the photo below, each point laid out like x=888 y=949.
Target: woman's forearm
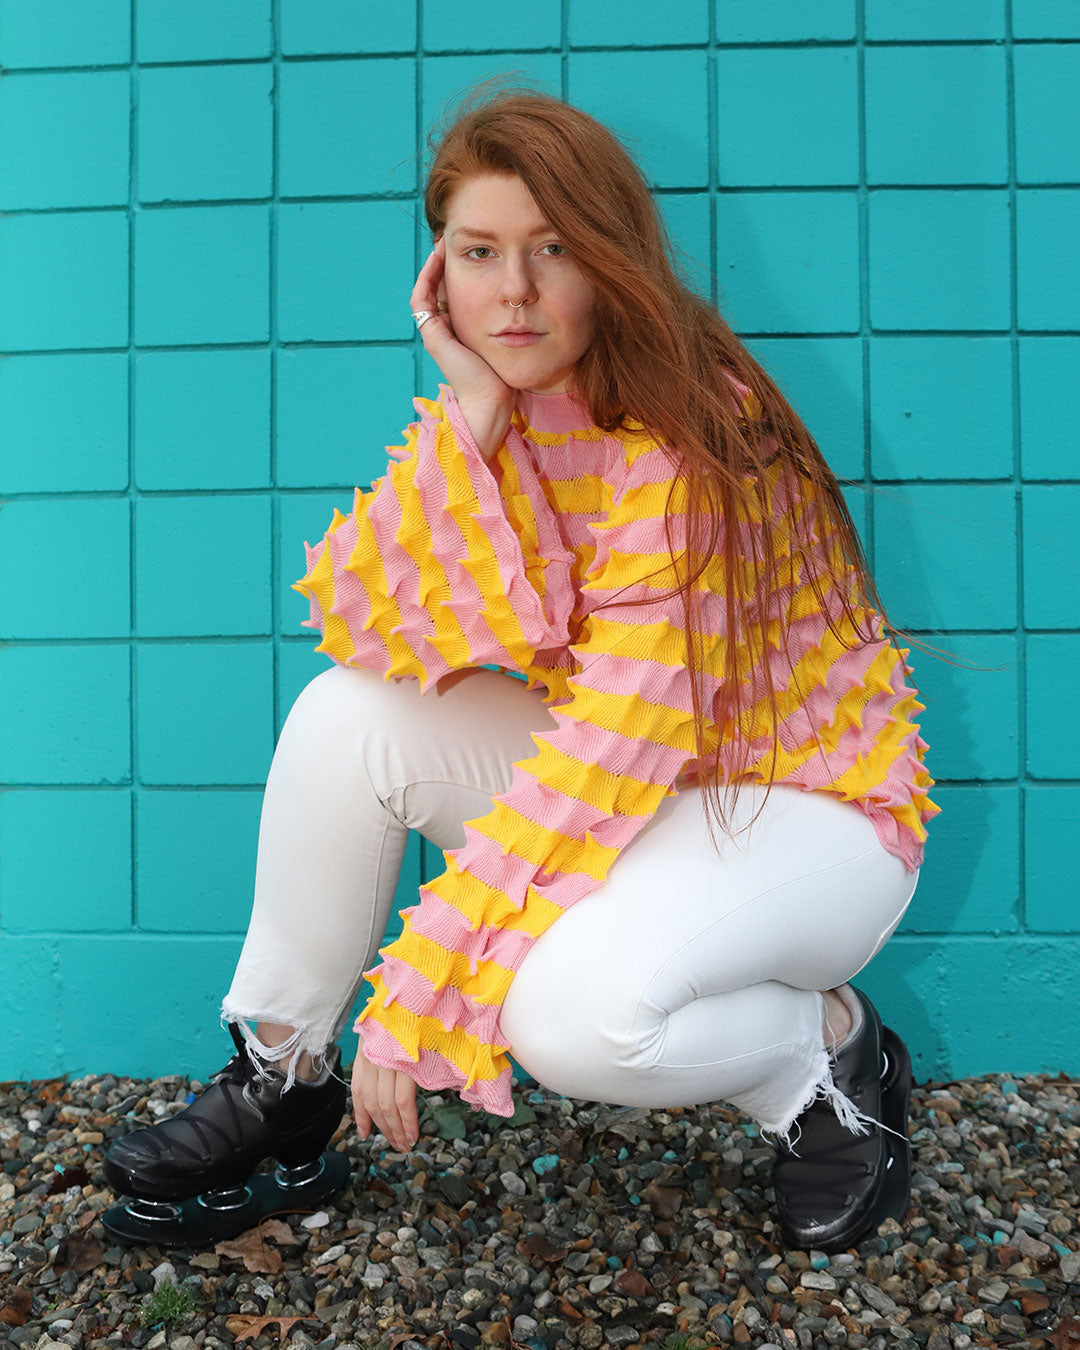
x=488 y=425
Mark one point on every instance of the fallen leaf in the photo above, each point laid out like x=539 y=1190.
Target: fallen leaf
x=62 y=1181
x=245 y=1327
x=17 y=1309
x=664 y=1201
x=568 y=1310
x=449 y=1121
x=78 y=1252
x=630 y=1124
x=251 y=1248
x=1066 y=1335
x=634 y=1283
x=523 y=1115
x=52 y=1089
x=280 y=1231
x=536 y=1244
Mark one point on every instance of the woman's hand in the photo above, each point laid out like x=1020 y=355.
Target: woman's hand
x=386 y=1097
x=485 y=399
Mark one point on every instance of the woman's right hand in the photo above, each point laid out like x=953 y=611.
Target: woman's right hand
x=485 y=399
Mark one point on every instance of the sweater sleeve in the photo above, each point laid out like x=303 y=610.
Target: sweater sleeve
x=434 y=570
x=623 y=734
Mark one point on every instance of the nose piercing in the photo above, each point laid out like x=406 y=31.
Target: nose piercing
x=517 y=306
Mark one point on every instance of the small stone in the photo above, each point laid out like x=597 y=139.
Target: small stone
x=317 y=1220
x=817 y=1279
x=513 y=1183
x=994 y=1292
x=165 y=1271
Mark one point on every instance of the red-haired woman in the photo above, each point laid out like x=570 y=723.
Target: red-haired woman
x=606 y=473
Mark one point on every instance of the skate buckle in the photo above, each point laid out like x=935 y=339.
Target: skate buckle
x=291 y=1178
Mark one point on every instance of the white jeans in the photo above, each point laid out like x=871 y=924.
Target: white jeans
x=687 y=977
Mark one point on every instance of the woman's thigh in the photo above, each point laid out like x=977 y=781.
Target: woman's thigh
x=807 y=898
x=437 y=759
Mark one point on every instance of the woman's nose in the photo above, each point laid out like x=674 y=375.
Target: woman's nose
x=516 y=284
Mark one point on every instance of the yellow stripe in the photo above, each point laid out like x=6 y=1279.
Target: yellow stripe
x=479 y=1062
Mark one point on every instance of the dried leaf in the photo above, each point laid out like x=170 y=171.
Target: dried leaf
x=64 y=1180
x=17 y=1309
x=631 y=1124
x=280 y=1231
x=246 y=1327
x=1066 y=1335
x=634 y=1283
x=536 y=1244
x=78 y=1252
x=569 y=1311
x=664 y=1201
x=250 y=1248
x=51 y=1089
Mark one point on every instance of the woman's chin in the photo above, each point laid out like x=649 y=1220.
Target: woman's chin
x=530 y=379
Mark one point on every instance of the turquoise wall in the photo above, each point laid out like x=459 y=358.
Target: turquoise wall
x=210 y=227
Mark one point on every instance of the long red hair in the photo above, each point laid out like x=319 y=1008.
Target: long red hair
x=656 y=361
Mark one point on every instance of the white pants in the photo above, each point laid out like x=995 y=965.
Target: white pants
x=687 y=977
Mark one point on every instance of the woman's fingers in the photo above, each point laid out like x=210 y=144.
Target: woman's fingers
x=387 y=1099
x=396 y=1092
x=425 y=291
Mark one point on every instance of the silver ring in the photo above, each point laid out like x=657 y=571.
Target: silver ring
x=421 y=316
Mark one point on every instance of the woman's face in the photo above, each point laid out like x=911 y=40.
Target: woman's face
x=499 y=251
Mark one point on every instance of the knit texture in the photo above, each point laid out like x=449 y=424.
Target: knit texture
x=450 y=562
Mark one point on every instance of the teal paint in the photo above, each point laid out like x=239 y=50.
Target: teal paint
x=876 y=195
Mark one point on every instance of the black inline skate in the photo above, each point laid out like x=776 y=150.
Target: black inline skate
x=193 y=1177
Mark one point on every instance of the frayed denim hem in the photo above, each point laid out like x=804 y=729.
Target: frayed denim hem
x=846 y=1111
x=303 y=1038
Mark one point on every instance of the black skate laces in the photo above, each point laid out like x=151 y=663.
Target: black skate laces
x=241 y=1070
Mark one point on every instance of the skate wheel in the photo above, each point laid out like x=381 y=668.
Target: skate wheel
x=216 y=1216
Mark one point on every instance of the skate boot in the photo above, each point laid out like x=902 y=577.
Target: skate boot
x=833 y=1187
x=206 y=1156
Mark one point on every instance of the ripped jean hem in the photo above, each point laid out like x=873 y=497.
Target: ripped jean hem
x=823 y=1086
x=303 y=1038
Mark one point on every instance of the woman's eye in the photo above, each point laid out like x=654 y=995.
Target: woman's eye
x=561 y=246
x=477 y=248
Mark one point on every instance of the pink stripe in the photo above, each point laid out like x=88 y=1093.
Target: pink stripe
x=435 y=1071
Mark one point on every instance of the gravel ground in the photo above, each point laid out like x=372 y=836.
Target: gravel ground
x=575 y=1224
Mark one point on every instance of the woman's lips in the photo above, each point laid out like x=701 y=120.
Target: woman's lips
x=518 y=339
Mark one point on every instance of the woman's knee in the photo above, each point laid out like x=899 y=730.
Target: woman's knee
x=563 y=1035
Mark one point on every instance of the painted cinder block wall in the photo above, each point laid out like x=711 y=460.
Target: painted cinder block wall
x=209 y=227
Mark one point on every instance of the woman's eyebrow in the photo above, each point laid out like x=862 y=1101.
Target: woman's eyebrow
x=490 y=234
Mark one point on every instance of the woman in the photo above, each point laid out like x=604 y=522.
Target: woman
x=606 y=470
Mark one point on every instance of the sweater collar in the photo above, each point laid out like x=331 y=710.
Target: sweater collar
x=554 y=412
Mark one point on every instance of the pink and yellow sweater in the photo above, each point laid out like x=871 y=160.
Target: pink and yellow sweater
x=451 y=562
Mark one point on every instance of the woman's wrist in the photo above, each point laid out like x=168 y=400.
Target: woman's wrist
x=488 y=423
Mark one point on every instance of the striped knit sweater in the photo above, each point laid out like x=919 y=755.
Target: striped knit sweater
x=451 y=562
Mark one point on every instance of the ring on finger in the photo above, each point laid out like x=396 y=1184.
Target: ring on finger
x=421 y=316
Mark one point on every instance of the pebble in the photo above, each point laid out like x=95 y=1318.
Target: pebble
x=578 y=1226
